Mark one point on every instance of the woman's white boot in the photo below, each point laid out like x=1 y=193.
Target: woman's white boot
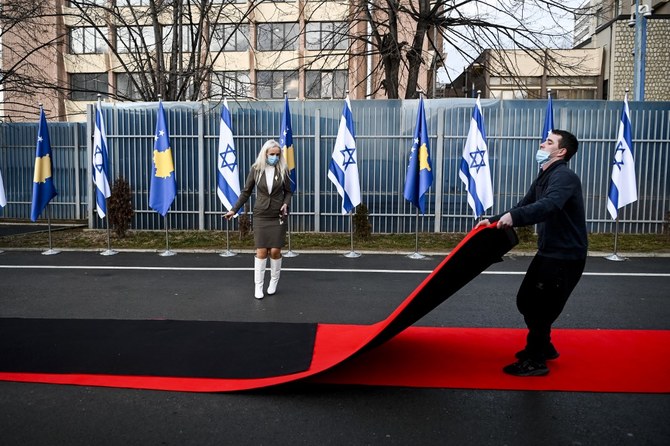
x=259 y=276
x=275 y=271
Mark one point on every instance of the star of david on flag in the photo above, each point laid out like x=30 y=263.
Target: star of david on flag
x=419 y=176
x=100 y=163
x=43 y=183
x=163 y=188
x=475 y=171
x=623 y=185
x=286 y=144
x=227 y=171
x=343 y=168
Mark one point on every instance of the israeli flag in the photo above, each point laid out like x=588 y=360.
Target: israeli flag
x=227 y=168
x=474 y=171
x=623 y=186
x=100 y=163
x=343 y=168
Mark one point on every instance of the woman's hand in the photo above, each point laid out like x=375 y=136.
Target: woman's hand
x=228 y=215
x=284 y=209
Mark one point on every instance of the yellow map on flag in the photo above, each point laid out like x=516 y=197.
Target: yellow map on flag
x=42 y=169
x=423 y=158
x=163 y=163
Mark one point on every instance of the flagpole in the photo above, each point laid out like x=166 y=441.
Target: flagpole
x=167 y=252
x=614 y=256
x=352 y=254
x=50 y=251
x=227 y=252
x=288 y=253
x=416 y=255
x=109 y=251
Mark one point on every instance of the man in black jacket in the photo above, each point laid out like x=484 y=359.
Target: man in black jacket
x=555 y=203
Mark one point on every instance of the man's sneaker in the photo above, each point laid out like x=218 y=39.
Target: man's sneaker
x=527 y=367
x=550 y=354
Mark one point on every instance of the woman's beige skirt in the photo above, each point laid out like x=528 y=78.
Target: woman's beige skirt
x=269 y=232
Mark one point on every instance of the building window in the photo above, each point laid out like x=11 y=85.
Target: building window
x=327 y=36
x=272 y=84
x=189 y=38
x=86 y=86
x=87 y=40
x=277 y=36
x=135 y=39
x=125 y=88
x=230 y=84
x=230 y=37
x=325 y=84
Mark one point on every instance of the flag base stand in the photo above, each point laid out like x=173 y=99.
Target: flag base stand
x=416 y=256
x=50 y=252
x=227 y=253
x=167 y=253
x=108 y=252
x=1 y=251
x=352 y=255
x=616 y=258
x=290 y=254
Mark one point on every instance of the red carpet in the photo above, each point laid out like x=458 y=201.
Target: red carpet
x=472 y=358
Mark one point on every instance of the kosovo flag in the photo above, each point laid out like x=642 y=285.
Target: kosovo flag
x=43 y=183
x=419 y=170
x=286 y=144
x=163 y=181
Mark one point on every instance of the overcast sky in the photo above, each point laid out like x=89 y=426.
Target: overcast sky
x=537 y=19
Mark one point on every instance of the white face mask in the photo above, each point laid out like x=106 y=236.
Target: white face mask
x=541 y=157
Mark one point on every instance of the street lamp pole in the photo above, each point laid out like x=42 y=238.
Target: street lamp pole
x=640 y=50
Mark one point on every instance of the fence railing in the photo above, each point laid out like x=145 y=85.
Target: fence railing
x=384 y=130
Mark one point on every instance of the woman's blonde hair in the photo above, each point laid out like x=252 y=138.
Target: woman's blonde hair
x=261 y=160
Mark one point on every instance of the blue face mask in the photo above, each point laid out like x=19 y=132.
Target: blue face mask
x=273 y=160
x=541 y=157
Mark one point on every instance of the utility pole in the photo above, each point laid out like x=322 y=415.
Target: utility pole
x=640 y=48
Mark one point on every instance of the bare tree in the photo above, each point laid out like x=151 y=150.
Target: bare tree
x=25 y=34
x=165 y=47
x=400 y=29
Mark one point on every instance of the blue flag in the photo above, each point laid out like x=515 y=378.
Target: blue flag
x=286 y=144
x=343 y=168
x=163 y=180
x=227 y=172
x=419 y=170
x=474 y=171
x=548 y=120
x=100 y=163
x=623 y=185
x=43 y=183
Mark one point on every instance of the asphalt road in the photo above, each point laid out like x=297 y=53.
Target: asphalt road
x=332 y=289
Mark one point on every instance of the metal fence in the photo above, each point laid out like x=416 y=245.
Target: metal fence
x=384 y=131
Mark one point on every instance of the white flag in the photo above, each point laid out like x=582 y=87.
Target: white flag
x=474 y=171
x=343 y=168
x=623 y=186
x=3 y=198
x=227 y=174
x=100 y=163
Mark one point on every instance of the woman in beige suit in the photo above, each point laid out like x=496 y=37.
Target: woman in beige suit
x=269 y=175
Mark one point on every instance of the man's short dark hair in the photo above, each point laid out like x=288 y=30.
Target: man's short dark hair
x=568 y=142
